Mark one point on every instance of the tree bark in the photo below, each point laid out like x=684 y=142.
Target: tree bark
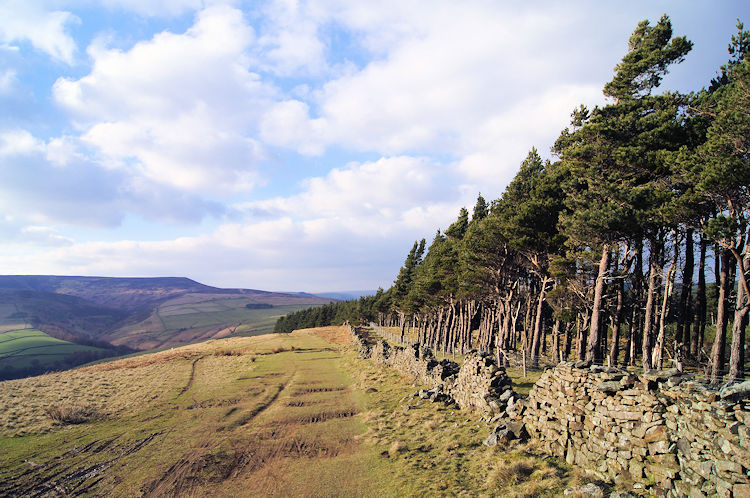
x=593 y=346
x=726 y=283
x=582 y=322
x=538 y=324
x=736 y=359
x=556 y=342
x=567 y=341
x=634 y=332
x=658 y=354
x=648 y=319
x=699 y=313
x=617 y=320
x=682 y=335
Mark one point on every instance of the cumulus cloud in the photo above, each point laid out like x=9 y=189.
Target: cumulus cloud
x=180 y=109
x=28 y=21
x=460 y=80
x=290 y=44
x=165 y=8
x=54 y=181
x=374 y=199
x=346 y=229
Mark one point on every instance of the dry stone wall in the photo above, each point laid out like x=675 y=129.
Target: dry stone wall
x=479 y=384
x=663 y=430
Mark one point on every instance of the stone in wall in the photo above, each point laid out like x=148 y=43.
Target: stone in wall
x=659 y=429
x=482 y=385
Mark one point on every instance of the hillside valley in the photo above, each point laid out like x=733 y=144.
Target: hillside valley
x=120 y=315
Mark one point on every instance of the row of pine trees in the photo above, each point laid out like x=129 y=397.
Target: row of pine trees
x=616 y=250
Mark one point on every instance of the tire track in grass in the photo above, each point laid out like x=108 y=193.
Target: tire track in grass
x=192 y=377
x=250 y=415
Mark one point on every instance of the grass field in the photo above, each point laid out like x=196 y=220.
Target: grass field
x=194 y=318
x=273 y=415
x=19 y=348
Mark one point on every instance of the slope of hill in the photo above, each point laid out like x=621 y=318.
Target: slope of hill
x=32 y=352
x=63 y=316
x=276 y=415
x=196 y=317
x=141 y=313
x=121 y=293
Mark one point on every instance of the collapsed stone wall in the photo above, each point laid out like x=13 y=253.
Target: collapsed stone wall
x=479 y=384
x=661 y=429
x=359 y=340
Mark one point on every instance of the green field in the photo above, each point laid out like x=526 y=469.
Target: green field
x=186 y=320
x=27 y=347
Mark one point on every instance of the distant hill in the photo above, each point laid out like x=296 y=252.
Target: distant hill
x=346 y=295
x=140 y=313
x=122 y=293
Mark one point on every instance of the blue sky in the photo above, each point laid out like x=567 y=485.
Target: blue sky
x=289 y=145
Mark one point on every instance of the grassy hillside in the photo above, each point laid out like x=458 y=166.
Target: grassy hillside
x=65 y=317
x=281 y=415
x=32 y=351
x=199 y=317
x=140 y=313
x=138 y=293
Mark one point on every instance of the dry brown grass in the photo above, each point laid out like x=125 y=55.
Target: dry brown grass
x=505 y=473
x=119 y=388
x=73 y=414
x=334 y=335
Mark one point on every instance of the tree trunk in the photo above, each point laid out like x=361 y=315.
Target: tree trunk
x=648 y=319
x=658 y=354
x=567 y=342
x=634 y=332
x=699 y=313
x=556 y=342
x=583 y=324
x=617 y=320
x=726 y=284
x=682 y=335
x=593 y=349
x=737 y=356
x=538 y=324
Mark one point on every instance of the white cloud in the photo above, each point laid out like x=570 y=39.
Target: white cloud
x=348 y=229
x=475 y=81
x=54 y=182
x=28 y=21
x=179 y=109
x=376 y=198
x=7 y=80
x=290 y=43
x=18 y=142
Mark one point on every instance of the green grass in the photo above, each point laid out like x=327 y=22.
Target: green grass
x=20 y=348
x=275 y=415
x=176 y=323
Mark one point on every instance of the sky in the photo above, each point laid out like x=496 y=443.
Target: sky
x=290 y=145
